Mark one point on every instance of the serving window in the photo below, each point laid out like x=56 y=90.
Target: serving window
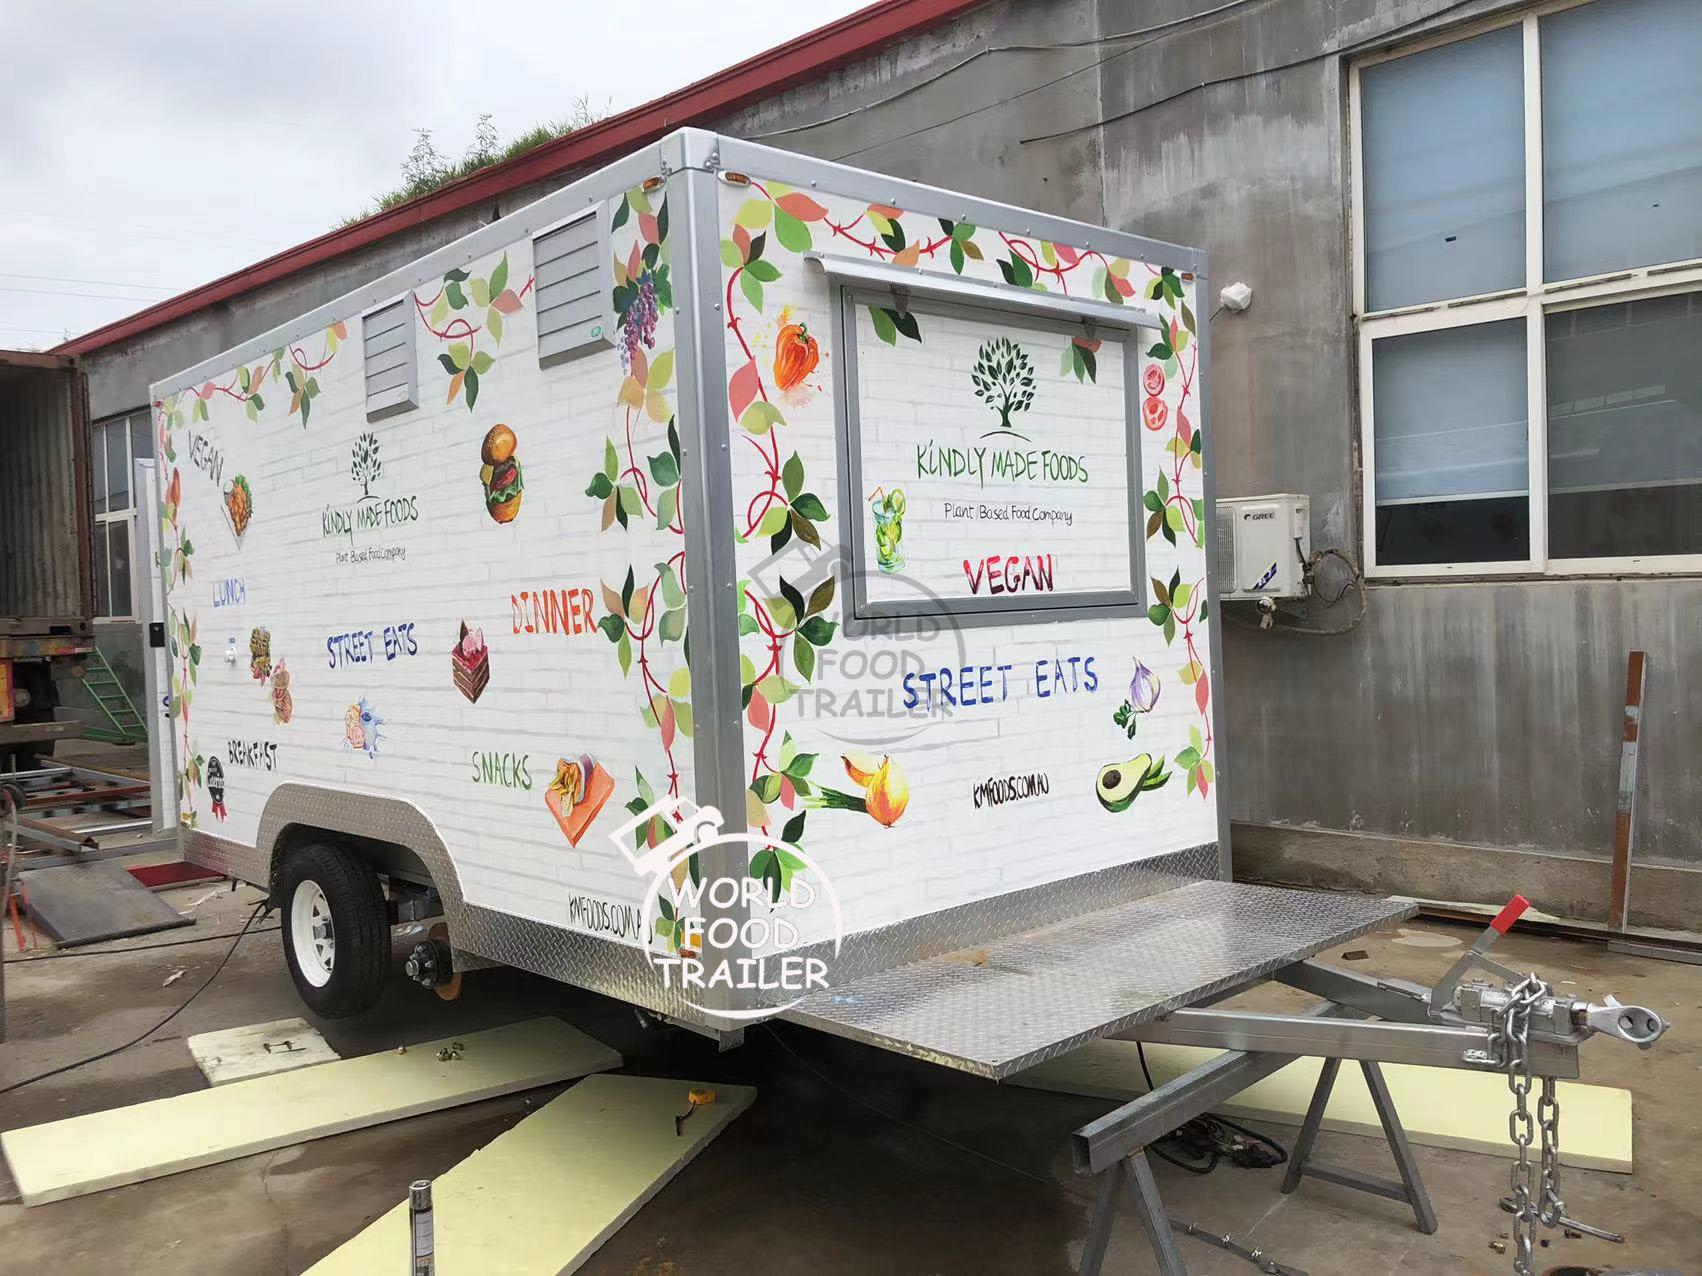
x=991 y=457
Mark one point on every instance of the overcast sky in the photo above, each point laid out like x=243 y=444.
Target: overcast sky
x=145 y=149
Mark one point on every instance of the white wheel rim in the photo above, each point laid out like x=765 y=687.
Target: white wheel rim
x=311 y=933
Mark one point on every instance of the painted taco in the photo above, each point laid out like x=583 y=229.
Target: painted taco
x=500 y=474
x=578 y=791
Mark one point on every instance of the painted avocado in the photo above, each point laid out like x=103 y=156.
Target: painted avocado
x=1120 y=783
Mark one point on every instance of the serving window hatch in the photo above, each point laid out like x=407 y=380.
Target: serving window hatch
x=991 y=452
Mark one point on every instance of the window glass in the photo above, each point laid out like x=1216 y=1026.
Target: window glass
x=1625 y=428
x=1451 y=431
x=97 y=465
x=141 y=437
x=1444 y=156
x=118 y=554
x=117 y=465
x=1621 y=136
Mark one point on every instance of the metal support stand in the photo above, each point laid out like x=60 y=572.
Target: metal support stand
x=1517 y=1028
x=1411 y=1186
x=1133 y=1172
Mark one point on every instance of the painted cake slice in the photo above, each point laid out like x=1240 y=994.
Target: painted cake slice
x=470 y=662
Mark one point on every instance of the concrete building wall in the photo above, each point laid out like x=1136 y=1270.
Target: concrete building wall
x=1475 y=715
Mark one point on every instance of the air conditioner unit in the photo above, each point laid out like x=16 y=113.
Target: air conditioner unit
x=1263 y=544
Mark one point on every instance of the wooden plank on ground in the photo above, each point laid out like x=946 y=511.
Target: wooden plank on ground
x=1443 y=1108
x=258 y=1050
x=541 y=1198
x=90 y=1153
x=86 y=903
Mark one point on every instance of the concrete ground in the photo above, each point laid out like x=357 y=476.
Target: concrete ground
x=852 y=1160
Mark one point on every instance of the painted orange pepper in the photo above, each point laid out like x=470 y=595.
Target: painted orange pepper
x=795 y=355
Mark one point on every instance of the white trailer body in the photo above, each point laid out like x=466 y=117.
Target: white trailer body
x=869 y=514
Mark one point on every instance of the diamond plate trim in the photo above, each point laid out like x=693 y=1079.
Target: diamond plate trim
x=1012 y=1003
x=617 y=970
x=479 y=935
x=226 y=858
x=918 y=938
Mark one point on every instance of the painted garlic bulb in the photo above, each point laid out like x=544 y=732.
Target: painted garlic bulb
x=1143 y=689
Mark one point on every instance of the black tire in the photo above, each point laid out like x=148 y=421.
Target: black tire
x=359 y=965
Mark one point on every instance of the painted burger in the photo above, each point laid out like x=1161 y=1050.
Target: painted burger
x=500 y=474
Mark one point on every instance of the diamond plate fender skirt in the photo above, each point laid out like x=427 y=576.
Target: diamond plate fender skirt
x=479 y=936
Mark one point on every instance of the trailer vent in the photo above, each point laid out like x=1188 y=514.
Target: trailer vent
x=570 y=263
x=392 y=373
x=1226 y=517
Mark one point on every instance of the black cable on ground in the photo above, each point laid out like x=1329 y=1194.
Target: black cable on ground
x=1204 y=1135
x=138 y=948
x=1181 y=1225
x=107 y=1054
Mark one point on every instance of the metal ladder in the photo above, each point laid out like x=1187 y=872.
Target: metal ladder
x=114 y=702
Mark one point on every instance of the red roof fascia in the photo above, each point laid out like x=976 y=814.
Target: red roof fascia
x=850 y=38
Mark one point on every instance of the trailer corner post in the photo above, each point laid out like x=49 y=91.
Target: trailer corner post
x=1208 y=533
x=691 y=160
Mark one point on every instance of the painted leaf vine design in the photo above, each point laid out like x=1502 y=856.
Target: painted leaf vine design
x=445 y=315
x=1175 y=511
x=644 y=618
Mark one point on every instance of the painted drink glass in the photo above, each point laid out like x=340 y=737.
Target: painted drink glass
x=889 y=536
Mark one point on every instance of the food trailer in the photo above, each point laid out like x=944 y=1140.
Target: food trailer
x=742 y=585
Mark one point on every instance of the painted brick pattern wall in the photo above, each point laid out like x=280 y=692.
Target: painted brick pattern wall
x=1045 y=716
x=480 y=770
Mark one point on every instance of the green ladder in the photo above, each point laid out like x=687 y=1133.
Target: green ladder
x=113 y=701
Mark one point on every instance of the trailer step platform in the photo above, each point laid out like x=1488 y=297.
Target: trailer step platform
x=1022 y=999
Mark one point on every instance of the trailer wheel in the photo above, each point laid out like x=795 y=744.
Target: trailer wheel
x=335 y=930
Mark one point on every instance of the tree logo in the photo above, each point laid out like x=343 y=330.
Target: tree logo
x=366 y=467
x=1003 y=377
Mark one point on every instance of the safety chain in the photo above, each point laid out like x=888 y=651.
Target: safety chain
x=1513 y=1046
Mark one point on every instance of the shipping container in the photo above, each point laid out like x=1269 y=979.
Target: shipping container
x=46 y=576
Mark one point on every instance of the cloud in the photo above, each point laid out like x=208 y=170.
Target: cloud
x=169 y=144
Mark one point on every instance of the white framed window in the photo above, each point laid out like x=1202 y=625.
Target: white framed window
x=1527 y=279
x=115 y=444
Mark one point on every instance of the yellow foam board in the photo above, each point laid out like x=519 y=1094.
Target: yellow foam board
x=258 y=1050
x=1444 y=1108
x=91 y=1153
x=541 y=1198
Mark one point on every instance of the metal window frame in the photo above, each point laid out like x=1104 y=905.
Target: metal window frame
x=100 y=553
x=856 y=284
x=603 y=335
x=1532 y=302
x=405 y=397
